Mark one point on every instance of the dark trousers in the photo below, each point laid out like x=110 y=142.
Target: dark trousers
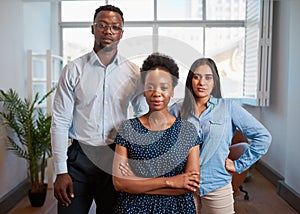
x=90 y=169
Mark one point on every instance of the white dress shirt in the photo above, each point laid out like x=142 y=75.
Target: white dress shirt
x=90 y=102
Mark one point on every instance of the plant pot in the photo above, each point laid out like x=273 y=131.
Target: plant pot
x=37 y=199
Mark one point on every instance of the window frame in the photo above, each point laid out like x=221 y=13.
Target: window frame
x=263 y=21
x=259 y=18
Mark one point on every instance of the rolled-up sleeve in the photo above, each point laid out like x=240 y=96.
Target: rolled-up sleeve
x=259 y=137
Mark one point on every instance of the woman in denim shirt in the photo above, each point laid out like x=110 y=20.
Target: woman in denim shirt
x=216 y=120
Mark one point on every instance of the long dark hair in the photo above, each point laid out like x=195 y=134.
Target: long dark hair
x=188 y=104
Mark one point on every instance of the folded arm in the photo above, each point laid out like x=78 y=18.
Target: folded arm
x=176 y=185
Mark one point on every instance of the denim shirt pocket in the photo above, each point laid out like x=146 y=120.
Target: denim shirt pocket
x=218 y=121
x=215 y=135
x=216 y=129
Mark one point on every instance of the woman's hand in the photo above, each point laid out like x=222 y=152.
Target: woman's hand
x=229 y=165
x=188 y=180
x=125 y=169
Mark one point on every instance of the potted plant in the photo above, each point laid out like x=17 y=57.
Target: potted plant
x=30 y=137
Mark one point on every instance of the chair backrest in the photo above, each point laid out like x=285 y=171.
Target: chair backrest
x=238 y=137
x=239 y=144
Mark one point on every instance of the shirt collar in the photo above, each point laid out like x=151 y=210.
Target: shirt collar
x=212 y=101
x=94 y=59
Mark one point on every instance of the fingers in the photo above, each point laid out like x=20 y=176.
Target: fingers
x=188 y=180
x=194 y=176
x=125 y=170
x=71 y=192
x=63 y=198
x=229 y=165
x=63 y=189
x=194 y=181
x=192 y=186
x=193 y=173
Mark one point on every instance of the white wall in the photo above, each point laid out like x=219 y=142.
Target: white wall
x=24 y=25
x=283 y=116
x=12 y=41
x=12 y=169
x=292 y=173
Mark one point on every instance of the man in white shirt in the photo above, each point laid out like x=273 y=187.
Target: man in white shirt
x=92 y=98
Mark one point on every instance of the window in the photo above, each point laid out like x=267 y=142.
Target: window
x=43 y=74
x=235 y=33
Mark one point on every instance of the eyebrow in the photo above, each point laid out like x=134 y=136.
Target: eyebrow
x=204 y=74
x=100 y=20
x=161 y=83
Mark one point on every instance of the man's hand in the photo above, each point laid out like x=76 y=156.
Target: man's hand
x=63 y=189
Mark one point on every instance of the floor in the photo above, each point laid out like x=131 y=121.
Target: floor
x=263 y=199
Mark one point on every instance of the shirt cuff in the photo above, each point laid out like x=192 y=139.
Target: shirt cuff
x=238 y=166
x=60 y=168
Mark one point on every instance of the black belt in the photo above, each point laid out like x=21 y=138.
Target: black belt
x=76 y=144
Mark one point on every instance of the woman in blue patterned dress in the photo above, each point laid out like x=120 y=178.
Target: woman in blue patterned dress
x=159 y=151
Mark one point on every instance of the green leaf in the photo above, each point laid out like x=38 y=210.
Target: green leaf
x=30 y=126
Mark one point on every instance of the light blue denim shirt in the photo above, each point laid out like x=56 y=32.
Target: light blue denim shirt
x=90 y=102
x=216 y=127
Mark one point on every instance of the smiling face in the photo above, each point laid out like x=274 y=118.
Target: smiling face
x=105 y=30
x=202 y=82
x=158 y=89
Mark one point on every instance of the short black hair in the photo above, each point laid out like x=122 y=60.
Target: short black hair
x=109 y=8
x=158 y=60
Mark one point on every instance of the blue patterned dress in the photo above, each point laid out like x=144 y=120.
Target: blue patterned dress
x=156 y=154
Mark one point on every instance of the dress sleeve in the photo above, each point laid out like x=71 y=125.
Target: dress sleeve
x=122 y=134
x=192 y=135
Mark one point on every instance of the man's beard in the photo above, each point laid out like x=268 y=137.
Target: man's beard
x=108 y=48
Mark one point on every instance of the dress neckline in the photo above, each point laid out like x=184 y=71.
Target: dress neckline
x=141 y=124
